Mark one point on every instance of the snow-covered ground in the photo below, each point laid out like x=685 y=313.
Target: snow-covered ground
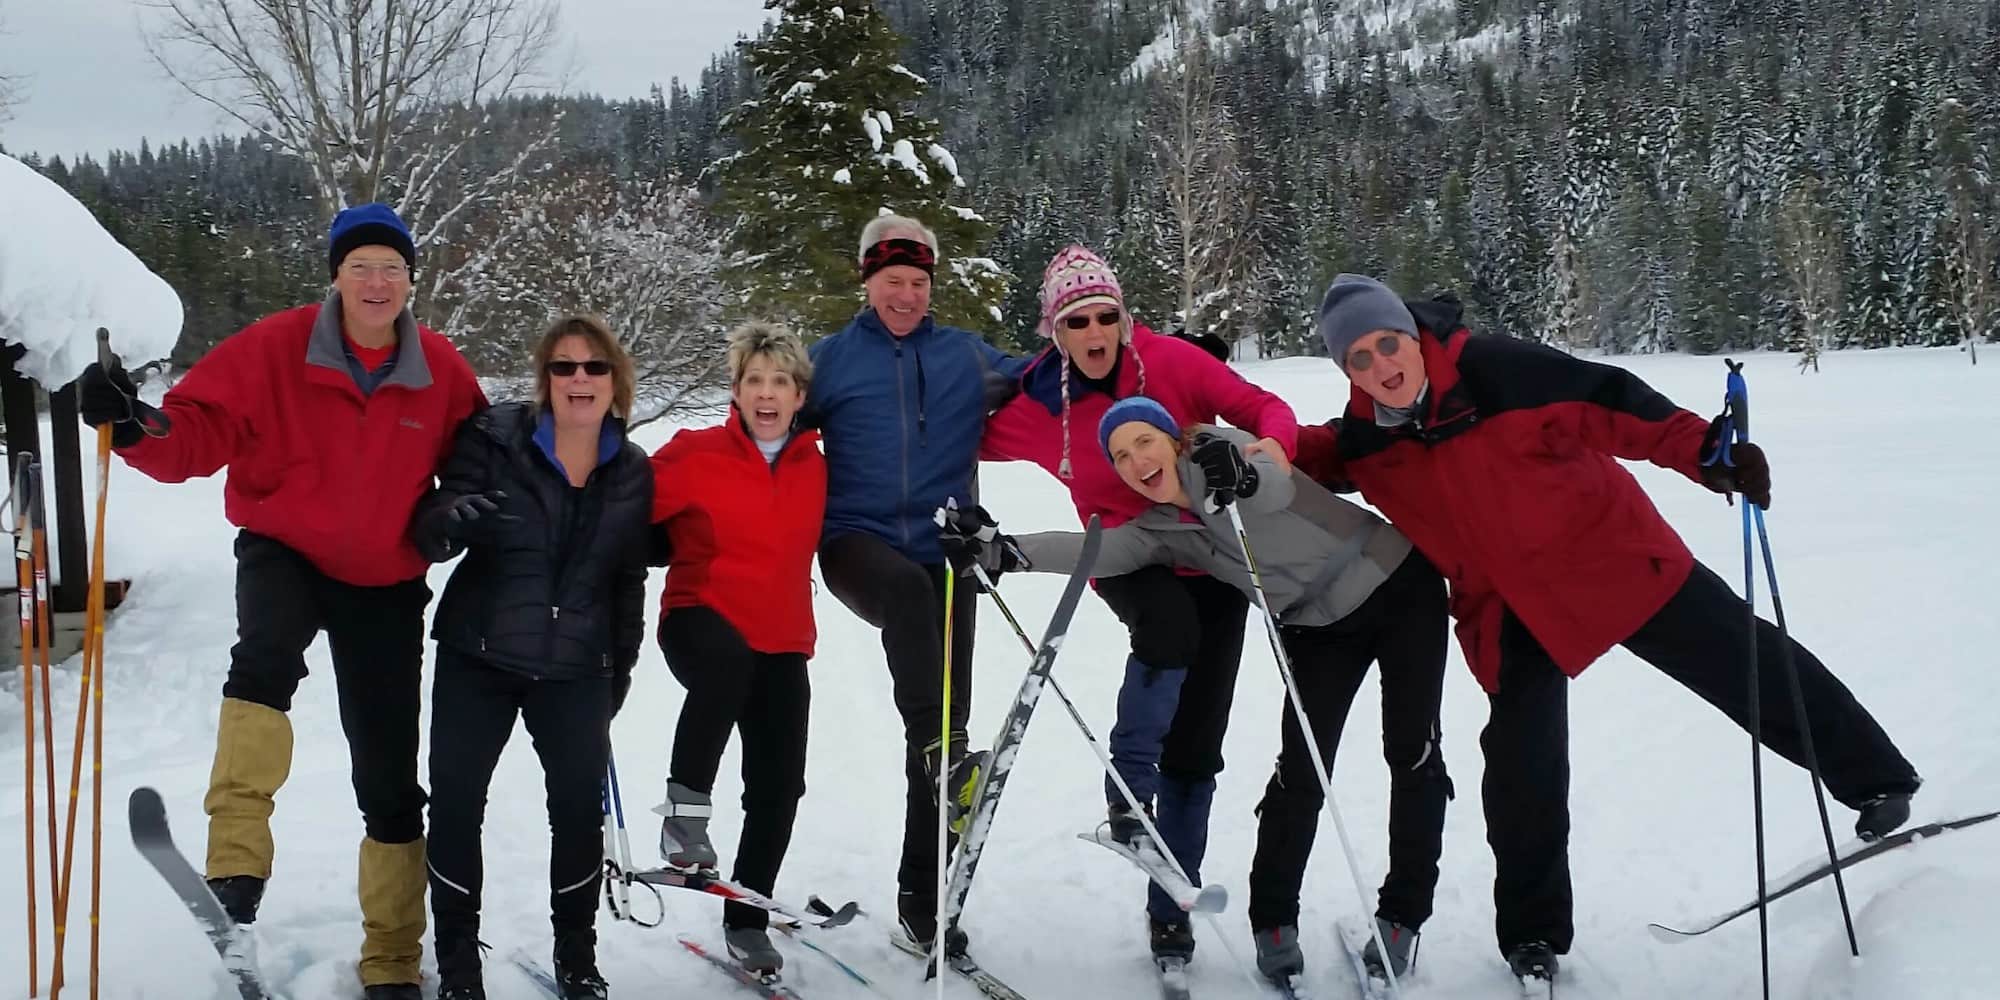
x=1886 y=464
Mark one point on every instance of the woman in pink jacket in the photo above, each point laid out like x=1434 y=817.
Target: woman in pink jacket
x=1186 y=628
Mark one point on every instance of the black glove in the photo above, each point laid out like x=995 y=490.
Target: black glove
x=1751 y=476
x=1228 y=474
x=109 y=397
x=469 y=518
x=970 y=536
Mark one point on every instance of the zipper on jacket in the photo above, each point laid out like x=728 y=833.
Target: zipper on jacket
x=903 y=442
x=923 y=434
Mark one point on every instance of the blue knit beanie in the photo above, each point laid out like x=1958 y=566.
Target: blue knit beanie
x=373 y=224
x=1140 y=408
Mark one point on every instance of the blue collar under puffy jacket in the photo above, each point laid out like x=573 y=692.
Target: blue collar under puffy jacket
x=901 y=420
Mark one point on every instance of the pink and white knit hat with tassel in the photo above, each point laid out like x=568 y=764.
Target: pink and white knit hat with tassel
x=1074 y=279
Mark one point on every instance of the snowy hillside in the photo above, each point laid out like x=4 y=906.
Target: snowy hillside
x=1886 y=551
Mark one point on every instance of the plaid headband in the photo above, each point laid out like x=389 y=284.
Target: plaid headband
x=889 y=253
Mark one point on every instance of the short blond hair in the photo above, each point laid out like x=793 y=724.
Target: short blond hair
x=595 y=330
x=760 y=338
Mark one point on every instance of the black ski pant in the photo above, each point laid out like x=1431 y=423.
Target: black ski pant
x=1404 y=627
x=376 y=635
x=473 y=708
x=766 y=698
x=1192 y=624
x=905 y=600
x=1701 y=638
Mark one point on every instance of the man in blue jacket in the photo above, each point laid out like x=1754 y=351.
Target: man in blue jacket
x=901 y=403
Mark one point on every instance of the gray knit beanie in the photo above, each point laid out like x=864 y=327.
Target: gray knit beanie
x=1356 y=306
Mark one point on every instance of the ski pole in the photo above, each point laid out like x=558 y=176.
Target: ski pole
x=938 y=930
x=1735 y=429
x=1104 y=760
x=1311 y=742
x=39 y=574
x=25 y=583
x=95 y=610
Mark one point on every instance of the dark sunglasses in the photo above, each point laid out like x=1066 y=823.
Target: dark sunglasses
x=1079 y=321
x=1362 y=360
x=564 y=369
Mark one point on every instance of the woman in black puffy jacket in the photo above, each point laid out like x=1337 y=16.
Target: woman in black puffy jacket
x=543 y=618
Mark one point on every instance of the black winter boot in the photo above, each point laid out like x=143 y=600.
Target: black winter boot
x=1172 y=939
x=459 y=973
x=1533 y=960
x=1881 y=815
x=240 y=896
x=576 y=966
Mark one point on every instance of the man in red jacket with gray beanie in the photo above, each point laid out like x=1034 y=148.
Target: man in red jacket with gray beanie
x=331 y=419
x=1498 y=459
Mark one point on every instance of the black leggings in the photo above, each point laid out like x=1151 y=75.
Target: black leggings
x=906 y=601
x=1402 y=626
x=473 y=707
x=765 y=697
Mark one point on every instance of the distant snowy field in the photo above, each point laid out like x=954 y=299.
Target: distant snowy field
x=1886 y=466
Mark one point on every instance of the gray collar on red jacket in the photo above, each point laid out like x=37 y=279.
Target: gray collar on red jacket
x=323 y=348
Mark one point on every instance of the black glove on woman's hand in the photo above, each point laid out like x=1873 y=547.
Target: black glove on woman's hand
x=1228 y=474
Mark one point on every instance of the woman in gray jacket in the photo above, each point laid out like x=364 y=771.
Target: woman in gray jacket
x=1347 y=589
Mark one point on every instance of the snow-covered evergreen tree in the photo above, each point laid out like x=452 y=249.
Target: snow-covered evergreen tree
x=831 y=140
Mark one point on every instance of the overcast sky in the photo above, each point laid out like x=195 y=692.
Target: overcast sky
x=89 y=86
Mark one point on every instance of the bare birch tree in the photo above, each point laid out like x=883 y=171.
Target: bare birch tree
x=1810 y=253
x=383 y=100
x=10 y=86
x=1194 y=147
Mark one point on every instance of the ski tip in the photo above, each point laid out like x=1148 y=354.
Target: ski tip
x=847 y=912
x=1213 y=898
x=1669 y=935
x=145 y=804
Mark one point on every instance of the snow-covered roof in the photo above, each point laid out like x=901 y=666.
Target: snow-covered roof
x=62 y=276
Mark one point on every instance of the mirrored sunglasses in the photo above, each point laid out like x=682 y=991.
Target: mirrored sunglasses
x=1364 y=359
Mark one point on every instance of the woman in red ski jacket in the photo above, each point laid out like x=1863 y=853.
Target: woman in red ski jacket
x=742 y=503
x=1498 y=459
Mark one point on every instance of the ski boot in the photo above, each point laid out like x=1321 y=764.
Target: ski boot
x=1533 y=960
x=1402 y=943
x=751 y=946
x=576 y=966
x=1881 y=815
x=917 y=918
x=1278 y=954
x=458 y=962
x=1172 y=939
x=1126 y=827
x=393 y=991
x=684 y=843
x=240 y=895
x=967 y=768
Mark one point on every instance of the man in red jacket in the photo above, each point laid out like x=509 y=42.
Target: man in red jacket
x=331 y=419
x=1498 y=459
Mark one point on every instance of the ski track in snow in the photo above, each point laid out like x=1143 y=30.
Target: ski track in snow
x=1885 y=548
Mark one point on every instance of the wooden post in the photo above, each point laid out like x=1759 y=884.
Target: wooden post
x=72 y=544
x=17 y=407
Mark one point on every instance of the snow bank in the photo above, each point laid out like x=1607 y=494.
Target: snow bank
x=62 y=276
